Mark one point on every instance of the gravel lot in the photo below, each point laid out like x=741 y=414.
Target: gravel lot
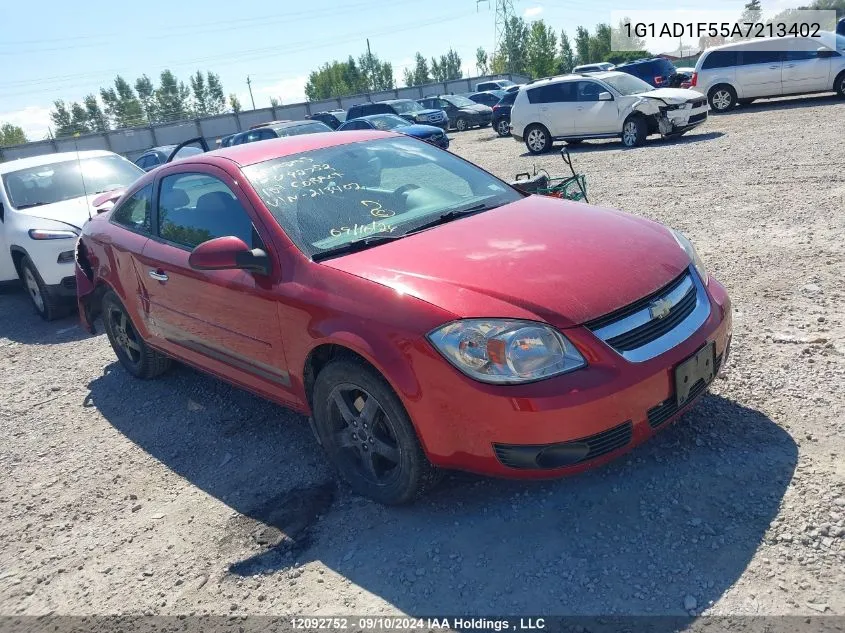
x=185 y=495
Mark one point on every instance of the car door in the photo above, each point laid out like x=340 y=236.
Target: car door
x=557 y=107
x=225 y=320
x=760 y=69
x=595 y=116
x=803 y=69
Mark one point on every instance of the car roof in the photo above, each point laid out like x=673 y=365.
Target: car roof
x=49 y=159
x=252 y=153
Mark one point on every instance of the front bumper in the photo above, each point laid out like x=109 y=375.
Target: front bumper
x=561 y=425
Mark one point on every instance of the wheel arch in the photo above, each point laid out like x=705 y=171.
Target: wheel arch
x=18 y=253
x=839 y=78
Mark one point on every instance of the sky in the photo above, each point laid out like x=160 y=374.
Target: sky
x=57 y=50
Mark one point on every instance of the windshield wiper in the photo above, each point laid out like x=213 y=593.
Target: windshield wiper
x=357 y=245
x=30 y=205
x=443 y=218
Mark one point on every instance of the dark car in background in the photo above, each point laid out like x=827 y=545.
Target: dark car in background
x=462 y=113
x=655 y=70
x=502 y=114
x=156 y=156
x=392 y=123
x=226 y=141
x=280 y=130
x=488 y=98
x=408 y=109
x=332 y=118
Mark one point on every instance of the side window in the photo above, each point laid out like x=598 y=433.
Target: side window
x=134 y=213
x=749 y=57
x=194 y=208
x=720 y=59
x=553 y=93
x=801 y=50
x=588 y=90
x=153 y=160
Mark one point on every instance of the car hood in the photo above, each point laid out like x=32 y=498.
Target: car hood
x=419 y=130
x=672 y=95
x=75 y=212
x=538 y=258
x=426 y=112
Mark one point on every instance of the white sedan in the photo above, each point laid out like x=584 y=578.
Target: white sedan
x=601 y=105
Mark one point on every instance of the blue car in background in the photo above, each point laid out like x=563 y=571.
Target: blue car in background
x=428 y=133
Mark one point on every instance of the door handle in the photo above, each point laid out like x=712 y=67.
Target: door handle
x=158 y=276
x=774 y=67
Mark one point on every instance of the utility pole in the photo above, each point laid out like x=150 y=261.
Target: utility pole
x=249 y=85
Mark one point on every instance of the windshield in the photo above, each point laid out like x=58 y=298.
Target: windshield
x=305 y=128
x=627 y=84
x=56 y=182
x=332 y=196
x=460 y=102
x=406 y=106
x=387 y=121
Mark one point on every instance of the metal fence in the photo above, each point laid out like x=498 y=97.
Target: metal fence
x=132 y=142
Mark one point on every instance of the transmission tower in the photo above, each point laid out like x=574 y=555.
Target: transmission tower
x=504 y=12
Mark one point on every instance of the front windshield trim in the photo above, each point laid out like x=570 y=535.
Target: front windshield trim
x=459 y=101
x=636 y=85
x=408 y=106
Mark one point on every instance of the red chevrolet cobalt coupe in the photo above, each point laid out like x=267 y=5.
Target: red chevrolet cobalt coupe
x=422 y=312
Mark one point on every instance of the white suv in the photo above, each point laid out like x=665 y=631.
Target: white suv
x=601 y=105
x=771 y=67
x=44 y=201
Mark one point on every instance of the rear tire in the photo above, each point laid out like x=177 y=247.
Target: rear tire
x=634 y=131
x=722 y=98
x=537 y=139
x=461 y=124
x=368 y=435
x=47 y=305
x=503 y=128
x=134 y=354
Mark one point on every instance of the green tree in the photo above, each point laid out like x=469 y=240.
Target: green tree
x=566 y=61
x=582 y=45
x=235 y=103
x=514 y=46
x=274 y=103
x=600 y=43
x=79 y=119
x=621 y=41
x=61 y=119
x=752 y=12
x=482 y=64
x=146 y=96
x=420 y=75
x=96 y=119
x=171 y=97
x=122 y=106
x=378 y=75
x=541 y=50
x=11 y=135
x=216 y=96
x=199 y=89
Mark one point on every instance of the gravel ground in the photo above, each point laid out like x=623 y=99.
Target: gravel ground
x=184 y=495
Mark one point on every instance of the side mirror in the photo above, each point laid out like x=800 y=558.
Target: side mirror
x=824 y=53
x=229 y=253
x=605 y=96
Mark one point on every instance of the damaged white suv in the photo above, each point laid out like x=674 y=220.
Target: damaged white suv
x=601 y=105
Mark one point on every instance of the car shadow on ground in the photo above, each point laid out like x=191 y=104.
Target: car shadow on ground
x=21 y=324
x=785 y=103
x=679 y=516
x=603 y=145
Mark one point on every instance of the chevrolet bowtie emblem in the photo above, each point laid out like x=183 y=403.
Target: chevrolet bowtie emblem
x=659 y=308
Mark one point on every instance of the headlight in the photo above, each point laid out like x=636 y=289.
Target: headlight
x=50 y=234
x=685 y=244
x=505 y=351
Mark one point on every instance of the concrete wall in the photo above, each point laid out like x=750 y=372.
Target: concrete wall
x=134 y=142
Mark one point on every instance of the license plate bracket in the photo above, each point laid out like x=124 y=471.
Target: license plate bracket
x=699 y=366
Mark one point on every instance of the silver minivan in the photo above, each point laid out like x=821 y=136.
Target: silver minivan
x=770 y=67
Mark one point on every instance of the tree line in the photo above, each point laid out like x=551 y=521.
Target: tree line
x=124 y=105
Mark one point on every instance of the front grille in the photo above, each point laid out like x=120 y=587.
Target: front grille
x=696 y=118
x=548 y=456
x=628 y=310
x=655 y=328
x=657 y=416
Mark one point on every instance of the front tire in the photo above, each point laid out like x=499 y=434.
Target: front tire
x=537 y=139
x=46 y=305
x=503 y=128
x=134 y=354
x=634 y=131
x=461 y=124
x=368 y=435
x=839 y=85
x=722 y=98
